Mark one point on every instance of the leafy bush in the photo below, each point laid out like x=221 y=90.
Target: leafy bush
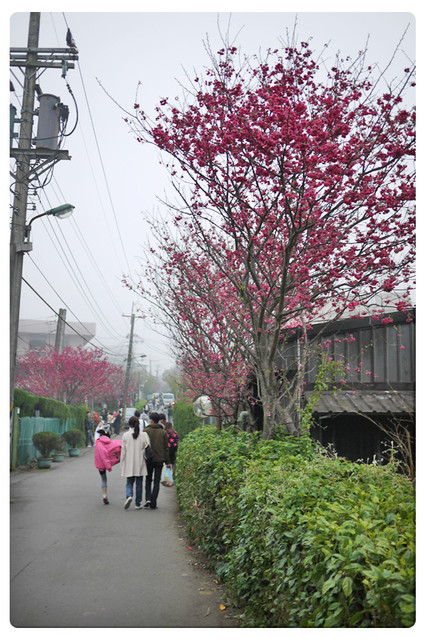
x=74 y=438
x=302 y=540
x=45 y=442
x=184 y=418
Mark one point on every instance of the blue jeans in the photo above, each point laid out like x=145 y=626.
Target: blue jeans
x=89 y=438
x=129 y=488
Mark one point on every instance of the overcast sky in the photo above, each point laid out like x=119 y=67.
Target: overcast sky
x=111 y=179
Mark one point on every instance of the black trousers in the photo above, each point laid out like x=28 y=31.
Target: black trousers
x=152 y=482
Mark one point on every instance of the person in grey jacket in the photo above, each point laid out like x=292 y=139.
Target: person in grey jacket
x=160 y=449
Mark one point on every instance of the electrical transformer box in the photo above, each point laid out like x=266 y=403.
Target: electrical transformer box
x=48 y=125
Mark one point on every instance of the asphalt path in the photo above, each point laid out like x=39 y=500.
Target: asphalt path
x=75 y=562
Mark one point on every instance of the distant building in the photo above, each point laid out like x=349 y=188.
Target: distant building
x=39 y=333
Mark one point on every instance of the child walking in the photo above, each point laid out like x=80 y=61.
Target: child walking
x=107 y=454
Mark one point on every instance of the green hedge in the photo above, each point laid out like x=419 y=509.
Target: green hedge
x=48 y=407
x=301 y=539
x=184 y=418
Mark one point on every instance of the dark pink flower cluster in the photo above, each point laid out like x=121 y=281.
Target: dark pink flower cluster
x=298 y=205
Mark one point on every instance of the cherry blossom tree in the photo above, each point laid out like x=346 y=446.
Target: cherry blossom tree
x=74 y=376
x=297 y=184
x=196 y=306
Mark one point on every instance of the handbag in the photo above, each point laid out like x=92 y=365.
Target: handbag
x=148 y=453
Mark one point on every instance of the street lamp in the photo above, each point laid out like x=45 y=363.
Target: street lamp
x=61 y=212
x=19 y=245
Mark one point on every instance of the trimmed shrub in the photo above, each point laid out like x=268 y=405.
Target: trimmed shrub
x=74 y=438
x=184 y=418
x=45 y=442
x=301 y=539
x=48 y=407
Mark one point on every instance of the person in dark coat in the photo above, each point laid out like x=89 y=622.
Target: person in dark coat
x=117 y=423
x=160 y=449
x=88 y=429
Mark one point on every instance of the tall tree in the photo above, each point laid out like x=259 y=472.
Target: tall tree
x=298 y=185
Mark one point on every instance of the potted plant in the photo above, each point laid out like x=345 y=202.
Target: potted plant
x=74 y=438
x=60 y=451
x=45 y=442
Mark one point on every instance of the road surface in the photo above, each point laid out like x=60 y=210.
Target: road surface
x=75 y=562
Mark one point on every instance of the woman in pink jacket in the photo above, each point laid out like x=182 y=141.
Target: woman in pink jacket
x=107 y=454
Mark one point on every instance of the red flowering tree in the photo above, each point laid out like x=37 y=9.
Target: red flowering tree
x=198 y=308
x=75 y=376
x=298 y=185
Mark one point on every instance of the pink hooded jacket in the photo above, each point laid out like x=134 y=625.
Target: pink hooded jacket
x=107 y=453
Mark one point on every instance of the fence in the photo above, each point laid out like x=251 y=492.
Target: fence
x=30 y=425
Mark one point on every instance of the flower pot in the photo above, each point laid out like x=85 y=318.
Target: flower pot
x=73 y=452
x=44 y=463
x=58 y=457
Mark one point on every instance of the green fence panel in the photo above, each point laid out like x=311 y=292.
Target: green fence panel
x=31 y=425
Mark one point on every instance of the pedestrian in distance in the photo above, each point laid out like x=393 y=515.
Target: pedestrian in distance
x=162 y=420
x=173 y=440
x=107 y=454
x=117 y=423
x=133 y=465
x=143 y=419
x=88 y=429
x=160 y=449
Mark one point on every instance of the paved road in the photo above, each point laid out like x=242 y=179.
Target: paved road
x=76 y=562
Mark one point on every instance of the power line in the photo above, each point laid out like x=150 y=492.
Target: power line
x=77 y=281
x=65 y=322
x=63 y=302
x=84 y=244
x=100 y=156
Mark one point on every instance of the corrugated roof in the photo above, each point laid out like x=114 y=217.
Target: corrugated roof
x=364 y=402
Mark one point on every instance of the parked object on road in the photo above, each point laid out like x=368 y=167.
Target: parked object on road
x=107 y=454
x=129 y=412
x=168 y=400
x=133 y=464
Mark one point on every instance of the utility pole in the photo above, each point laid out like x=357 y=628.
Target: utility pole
x=21 y=193
x=60 y=330
x=129 y=361
x=31 y=59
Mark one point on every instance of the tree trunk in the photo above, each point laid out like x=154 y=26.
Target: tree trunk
x=275 y=414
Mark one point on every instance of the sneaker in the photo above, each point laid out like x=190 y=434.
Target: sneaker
x=153 y=506
x=105 y=500
x=138 y=506
x=147 y=504
x=127 y=503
